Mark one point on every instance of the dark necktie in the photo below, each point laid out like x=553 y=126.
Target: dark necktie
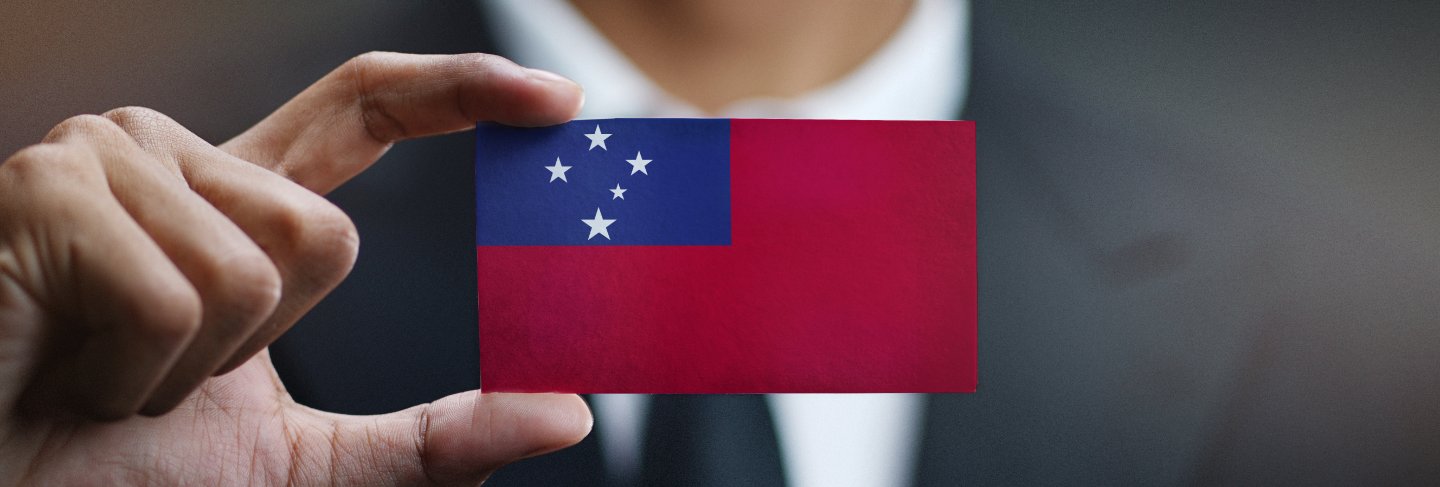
x=710 y=441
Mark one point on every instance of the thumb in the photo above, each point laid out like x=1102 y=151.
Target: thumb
x=458 y=440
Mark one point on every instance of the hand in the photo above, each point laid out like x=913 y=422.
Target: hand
x=143 y=270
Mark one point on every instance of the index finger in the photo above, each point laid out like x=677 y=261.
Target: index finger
x=341 y=124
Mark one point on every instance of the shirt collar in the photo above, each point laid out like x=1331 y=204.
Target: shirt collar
x=920 y=73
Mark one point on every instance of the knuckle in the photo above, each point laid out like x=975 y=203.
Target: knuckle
x=156 y=134
x=369 y=59
x=481 y=61
x=41 y=156
x=136 y=119
x=50 y=183
x=168 y=316
x=367 y=65
x=361 y=75
x=322 y=239
x=248 y=284
x=62 y=163
x=84 y=126
x=150 y=129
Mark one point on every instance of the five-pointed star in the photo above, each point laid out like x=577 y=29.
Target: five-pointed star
x=619 y=192
x=598 y=225
x=558 y=171
x=638 y=164
x=597 y=139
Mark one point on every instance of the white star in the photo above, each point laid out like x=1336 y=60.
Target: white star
x=638 y=164
x=558 y=171
x=598 y=225
x=619 y=192
x=597 y=139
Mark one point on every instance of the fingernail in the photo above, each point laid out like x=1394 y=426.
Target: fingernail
x=547 y=76
x=555 y=79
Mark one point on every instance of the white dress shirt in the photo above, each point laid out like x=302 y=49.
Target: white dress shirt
x=920 y=73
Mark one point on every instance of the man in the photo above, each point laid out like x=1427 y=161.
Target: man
x=306 y=266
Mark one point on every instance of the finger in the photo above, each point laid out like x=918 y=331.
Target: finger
x=344 y=122
x=458 y=440
x=123 y=311
x=311 y=243
x=238 y=285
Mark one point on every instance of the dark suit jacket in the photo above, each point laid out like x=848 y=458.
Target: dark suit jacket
x=1208 y=234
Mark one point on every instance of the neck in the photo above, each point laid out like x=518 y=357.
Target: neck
x=712 y=53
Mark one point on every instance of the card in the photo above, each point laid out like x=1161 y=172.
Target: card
x=727 y=256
